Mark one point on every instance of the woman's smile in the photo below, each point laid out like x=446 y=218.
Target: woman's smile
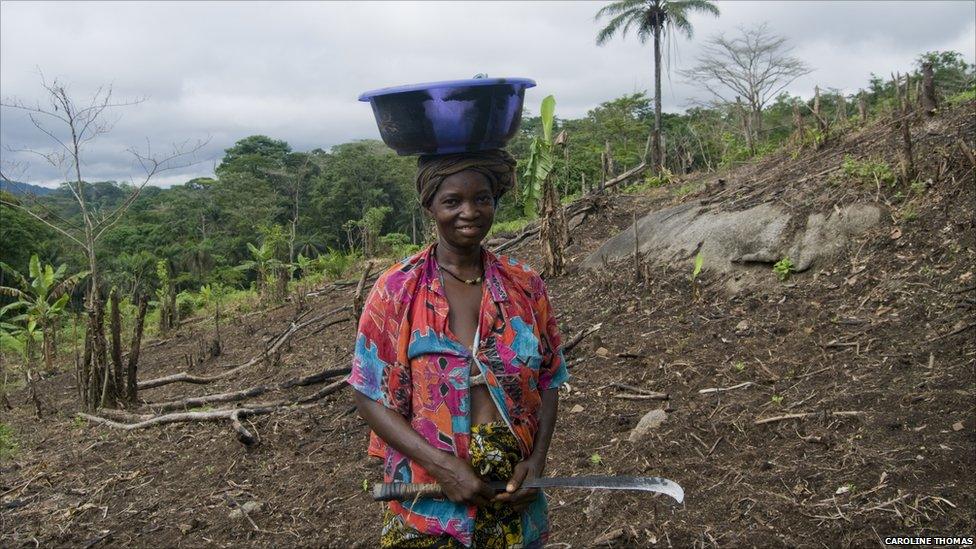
x=463 y=209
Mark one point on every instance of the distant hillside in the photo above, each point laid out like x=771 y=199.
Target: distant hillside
x=19 y=188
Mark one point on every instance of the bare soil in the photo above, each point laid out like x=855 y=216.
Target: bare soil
x=886 y=331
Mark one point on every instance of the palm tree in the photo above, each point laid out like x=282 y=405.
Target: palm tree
x=652 y=18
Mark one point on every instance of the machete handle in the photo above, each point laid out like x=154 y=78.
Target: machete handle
x=405 y=491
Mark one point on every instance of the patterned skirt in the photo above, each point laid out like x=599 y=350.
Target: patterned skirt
x=494 y=453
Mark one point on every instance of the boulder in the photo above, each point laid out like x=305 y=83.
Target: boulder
x=764 y=233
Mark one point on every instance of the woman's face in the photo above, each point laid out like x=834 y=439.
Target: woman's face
x=463 y=208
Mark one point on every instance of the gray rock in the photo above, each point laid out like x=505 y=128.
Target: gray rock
x=249 y=507
x=762 y=234
x=651 y=421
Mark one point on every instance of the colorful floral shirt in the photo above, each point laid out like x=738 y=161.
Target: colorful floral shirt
x=408 y=359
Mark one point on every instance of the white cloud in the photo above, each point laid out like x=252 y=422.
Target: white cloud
x=294 y=70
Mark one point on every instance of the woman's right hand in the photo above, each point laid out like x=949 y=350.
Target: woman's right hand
x=460 y=483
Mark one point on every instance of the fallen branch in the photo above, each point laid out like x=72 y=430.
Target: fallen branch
x=275 y=345
x=804 y=415
x=325 y=391
x=314 y=378
x=723 y=389
x=653 y=396
x=181 y=417
x=243 y=435
x=244 y=394
x=327 y=324
x=639 y=393
x=122 y=415
x=568 y=346
x=232 y=414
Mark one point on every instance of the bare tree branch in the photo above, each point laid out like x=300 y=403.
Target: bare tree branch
x=152 y=167
x=755 y=65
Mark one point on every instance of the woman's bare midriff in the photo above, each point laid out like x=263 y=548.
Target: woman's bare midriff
x=464 y=301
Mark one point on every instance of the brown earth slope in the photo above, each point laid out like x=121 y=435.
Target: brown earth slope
x=886 y=332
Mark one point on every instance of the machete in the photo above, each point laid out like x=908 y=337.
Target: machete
x=402 y=491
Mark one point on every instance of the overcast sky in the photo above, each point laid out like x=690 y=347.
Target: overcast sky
x=293 y=71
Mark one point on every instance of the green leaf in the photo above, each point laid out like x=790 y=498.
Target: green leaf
x=699 y=261
x=547 y=112
x=10 y=342
x=35 y=267
x=58 y=306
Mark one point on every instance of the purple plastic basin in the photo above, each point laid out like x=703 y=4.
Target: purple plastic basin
x=450 y=116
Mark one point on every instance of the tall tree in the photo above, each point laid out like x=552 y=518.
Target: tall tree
x=652 y=18
x=71 y=126
x=754 y=66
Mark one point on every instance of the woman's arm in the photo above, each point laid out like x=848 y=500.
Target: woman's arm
x=533 y=466
x=457 y=479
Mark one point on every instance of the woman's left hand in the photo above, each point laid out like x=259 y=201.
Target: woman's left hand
x=514 y=494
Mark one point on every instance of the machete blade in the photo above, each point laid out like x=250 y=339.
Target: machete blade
x=657 y=485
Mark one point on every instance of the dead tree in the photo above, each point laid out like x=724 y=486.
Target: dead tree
x=818 y=114
x=71 y=125
x=552 y=230
x=906 y=163
x=929 y=101
x=120 y=383
x=606 y=161
x=756 y=66
x=862 y=108
x=135 y=344
x=745 y=120
x=841 y=116
x=798 y=129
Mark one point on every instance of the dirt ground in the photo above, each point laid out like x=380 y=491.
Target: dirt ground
x=876 y=350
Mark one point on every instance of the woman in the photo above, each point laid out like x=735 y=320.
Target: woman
x=456 y=370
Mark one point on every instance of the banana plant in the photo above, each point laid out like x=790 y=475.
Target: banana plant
x=266 y=266
x=541 y=160
x=43 y=299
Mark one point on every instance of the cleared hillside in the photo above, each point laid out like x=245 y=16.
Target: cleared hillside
x=834 y=407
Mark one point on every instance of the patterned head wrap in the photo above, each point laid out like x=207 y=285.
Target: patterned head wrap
x=496 y=165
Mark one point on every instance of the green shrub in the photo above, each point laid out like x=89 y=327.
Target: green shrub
x=186 y=303
x=687 y=188
x=227 y=276
x=909 y=213
x=868 y=171
x=783 y=268
x=962 y=97
x=397 y=244
x=335 y=263
x=509 y=227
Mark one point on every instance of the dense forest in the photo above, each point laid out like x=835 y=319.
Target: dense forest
x=345 y=198
x=271 y=216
